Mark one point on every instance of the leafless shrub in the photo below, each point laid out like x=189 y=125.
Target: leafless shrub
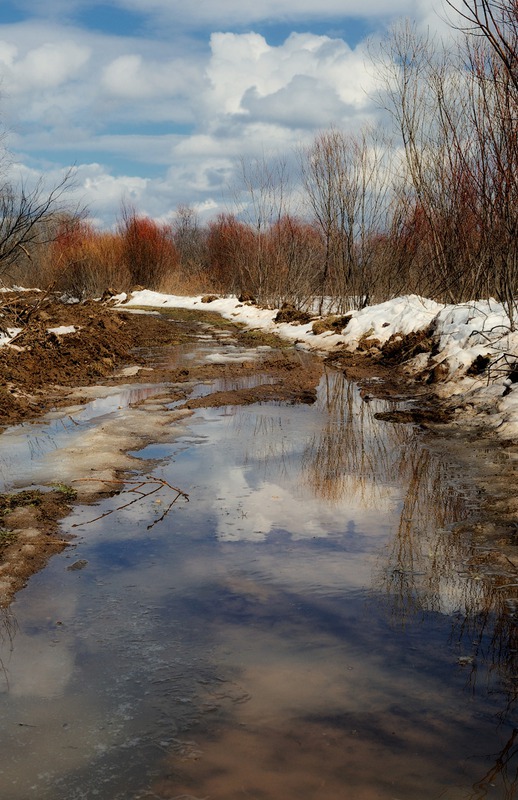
x=23 y=215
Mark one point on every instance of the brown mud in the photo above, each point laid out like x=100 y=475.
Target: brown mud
x=43 y=370
x=29 y=534
x=40 y=369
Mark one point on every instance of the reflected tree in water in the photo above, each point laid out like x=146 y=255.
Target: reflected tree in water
x=434 y=562
x=504 y=769
x=347 y=458
x=8 y=629
x=425 y=556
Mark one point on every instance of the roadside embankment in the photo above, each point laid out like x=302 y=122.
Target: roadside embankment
x=462 y=357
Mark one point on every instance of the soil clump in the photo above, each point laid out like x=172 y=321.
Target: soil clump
x=41 y=364
x=29 y=534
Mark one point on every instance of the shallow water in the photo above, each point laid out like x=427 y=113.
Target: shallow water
x=309 y=625
x=24 y=449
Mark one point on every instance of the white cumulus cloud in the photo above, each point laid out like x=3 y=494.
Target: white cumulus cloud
x=164 y=112
x=256 y=90
x=45 y=67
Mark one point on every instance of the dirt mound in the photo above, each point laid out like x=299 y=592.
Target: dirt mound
x=43 y=358
x=334 y=323
x=288 y=313
x=400 y=348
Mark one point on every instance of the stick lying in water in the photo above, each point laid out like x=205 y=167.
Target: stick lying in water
x=157 y=483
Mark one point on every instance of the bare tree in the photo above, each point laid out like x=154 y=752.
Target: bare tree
x=494 y=117
x=346 y=185
x=322 y=173
x=23 y=212
x=190 y=240
x=427 y=90
x=149 y=252
x=497 y=22
x=261 y=199
x=491 y=44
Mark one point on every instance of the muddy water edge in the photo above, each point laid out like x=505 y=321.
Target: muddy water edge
x=331 y=614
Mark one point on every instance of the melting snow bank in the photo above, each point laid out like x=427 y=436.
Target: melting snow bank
x=467 y=351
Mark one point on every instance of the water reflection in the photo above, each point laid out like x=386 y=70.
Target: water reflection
x=318 y=621
x=433 y=562
x=347 y=457
x=8 y=628
x=504 y=771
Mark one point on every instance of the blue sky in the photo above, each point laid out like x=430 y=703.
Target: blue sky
x=156 y=101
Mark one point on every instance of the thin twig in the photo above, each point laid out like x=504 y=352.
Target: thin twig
x=157 y=483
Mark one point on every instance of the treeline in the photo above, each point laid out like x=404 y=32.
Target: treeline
x=432 y=209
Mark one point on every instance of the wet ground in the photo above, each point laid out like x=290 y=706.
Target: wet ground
x=137 y=356
x=330 y=613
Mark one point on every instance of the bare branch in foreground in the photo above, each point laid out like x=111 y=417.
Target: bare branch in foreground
x=136 y=488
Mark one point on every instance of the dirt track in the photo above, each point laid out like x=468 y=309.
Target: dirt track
x=41 y=368
x=44 y=370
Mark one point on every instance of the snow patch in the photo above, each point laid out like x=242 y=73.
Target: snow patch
x=231 y=357
x=7 y=336
x=62 y=330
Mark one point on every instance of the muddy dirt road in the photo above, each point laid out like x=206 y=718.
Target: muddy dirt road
x=329 y=612
x=64 y=353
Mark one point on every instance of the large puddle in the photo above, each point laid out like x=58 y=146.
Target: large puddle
x=311 y=624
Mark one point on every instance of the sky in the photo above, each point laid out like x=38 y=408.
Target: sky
x=156 y=103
